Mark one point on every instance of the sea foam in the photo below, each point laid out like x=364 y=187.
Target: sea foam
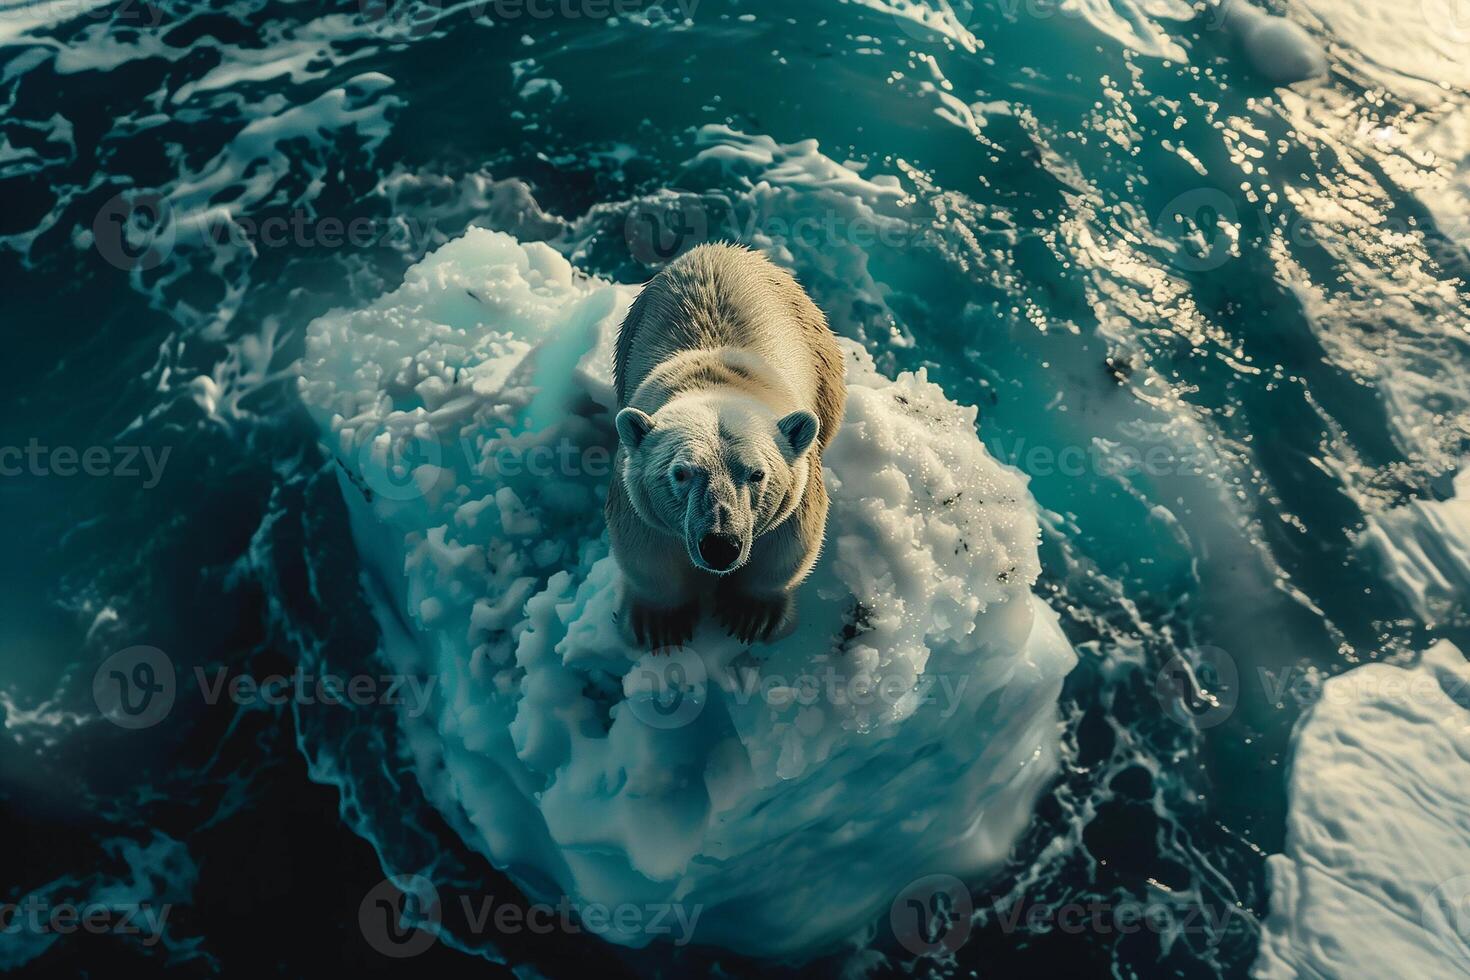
x=787 y=792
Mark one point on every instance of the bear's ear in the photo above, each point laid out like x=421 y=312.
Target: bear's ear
x=633 y=427
x=800 y=430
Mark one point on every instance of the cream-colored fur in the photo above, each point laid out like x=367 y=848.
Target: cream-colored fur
x=730 y=385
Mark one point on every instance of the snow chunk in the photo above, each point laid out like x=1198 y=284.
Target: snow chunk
x=787 y=792
x=1280 y=50
x=1375 y=880
x=1423 y=549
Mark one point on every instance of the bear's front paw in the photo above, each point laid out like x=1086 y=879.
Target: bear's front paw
x=751 y=618
x=661 y=629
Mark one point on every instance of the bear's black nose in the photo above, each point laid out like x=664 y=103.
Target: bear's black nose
x=719 y=551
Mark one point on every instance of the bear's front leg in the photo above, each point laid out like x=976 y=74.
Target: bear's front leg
x=660 y=628
x=758 y=602
x=752 y=617
x=660 y=594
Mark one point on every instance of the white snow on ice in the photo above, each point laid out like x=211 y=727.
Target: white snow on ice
x=1423 y=550
x=788 y=791
x=1375 y=881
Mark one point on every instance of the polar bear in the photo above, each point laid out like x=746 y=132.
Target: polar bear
x=729 y=387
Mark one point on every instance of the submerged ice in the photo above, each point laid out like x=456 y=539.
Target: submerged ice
x=788 y=792
x=1279 y=49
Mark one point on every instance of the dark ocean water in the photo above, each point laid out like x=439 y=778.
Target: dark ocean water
x=1220 y=325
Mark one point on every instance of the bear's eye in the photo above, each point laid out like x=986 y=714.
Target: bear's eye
x=757 y=476
x=680 y=473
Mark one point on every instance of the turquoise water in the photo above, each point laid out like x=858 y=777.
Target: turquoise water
x=1220 y=325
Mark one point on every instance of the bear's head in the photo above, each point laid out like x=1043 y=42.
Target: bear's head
x=717 y=470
